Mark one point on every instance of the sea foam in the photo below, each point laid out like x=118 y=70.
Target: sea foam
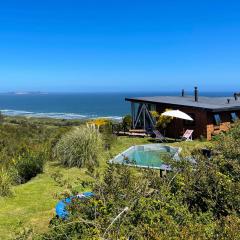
x=56 y=115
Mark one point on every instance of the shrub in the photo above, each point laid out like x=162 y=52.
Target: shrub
x=5 y=183
x=80 y=147
x=227 y=147
x=142 y=206
x=127 y=122
x=107 y=135
x=161 y=121
x=99 y=122
x=28 y=165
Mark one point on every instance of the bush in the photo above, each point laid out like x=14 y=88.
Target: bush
x=80 y=147
x=161 y=121
x=127 y=122
x=107 y=135
x=152 y=212
x=28 y=165
x=99 y=122
x=5 y=183
x=227 y=147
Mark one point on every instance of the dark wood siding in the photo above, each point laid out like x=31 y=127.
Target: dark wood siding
x=178 y=126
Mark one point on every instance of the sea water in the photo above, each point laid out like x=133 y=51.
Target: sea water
x=74 y=105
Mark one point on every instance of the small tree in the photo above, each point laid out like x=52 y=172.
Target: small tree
x=127 y=122
x=161 y=121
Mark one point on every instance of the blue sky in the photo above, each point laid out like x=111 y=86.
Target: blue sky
x=119 y=45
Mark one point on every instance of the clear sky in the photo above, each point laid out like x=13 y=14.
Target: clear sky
x=119 y=45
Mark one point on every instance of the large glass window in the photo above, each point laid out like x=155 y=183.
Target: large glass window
x=152 y=107
x=234 y=117
x=217 y=119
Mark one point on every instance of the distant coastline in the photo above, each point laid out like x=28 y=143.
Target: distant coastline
x=66 y=116
x=24 y=93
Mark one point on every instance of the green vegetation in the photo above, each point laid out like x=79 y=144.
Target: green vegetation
x=24 y=147
x=32 y=204
x=127 y=122
x=28 y=165
x=1 y=118
x=161 y=121
x=81 y=147
x=198 y=201
x=28 y=187
x=5 y=183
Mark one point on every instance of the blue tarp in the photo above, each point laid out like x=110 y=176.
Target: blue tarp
x=61 y=210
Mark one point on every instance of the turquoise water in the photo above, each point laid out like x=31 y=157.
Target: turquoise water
x=151 y=158
x=154 y=156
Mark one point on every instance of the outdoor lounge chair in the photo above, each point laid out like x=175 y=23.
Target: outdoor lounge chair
x=187 y=136
x=159 y=136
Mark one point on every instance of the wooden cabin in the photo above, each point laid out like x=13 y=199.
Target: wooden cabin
x=211 y=115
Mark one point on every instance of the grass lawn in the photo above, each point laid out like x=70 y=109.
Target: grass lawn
x=32 y=204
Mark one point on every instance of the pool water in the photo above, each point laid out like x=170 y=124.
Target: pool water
x=153 y=158
x=148 y=156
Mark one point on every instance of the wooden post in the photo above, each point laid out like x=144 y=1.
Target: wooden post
x=144 y=116
x=133 y=114
x=140 y=109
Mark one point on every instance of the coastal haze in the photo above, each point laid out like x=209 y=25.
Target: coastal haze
x=77 y=105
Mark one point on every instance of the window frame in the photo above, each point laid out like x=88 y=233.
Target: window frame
x=217 y=122
x=235 y=118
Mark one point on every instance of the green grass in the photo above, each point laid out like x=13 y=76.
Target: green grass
x=32 y=204
x=188 y=146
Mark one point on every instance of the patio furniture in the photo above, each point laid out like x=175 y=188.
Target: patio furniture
x=159 y=136
x=187 y=136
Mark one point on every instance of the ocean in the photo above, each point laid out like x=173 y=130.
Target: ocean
x=75 y=105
